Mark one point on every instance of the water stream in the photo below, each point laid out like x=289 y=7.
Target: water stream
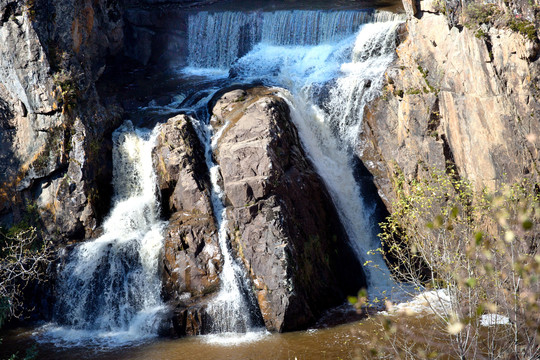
x=230 y=309
x=109 y=289
x=327 y=65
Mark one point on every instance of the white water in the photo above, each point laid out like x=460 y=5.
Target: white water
x=229 y=310
x=109 y=289
x=327 y=86
x=216 y=40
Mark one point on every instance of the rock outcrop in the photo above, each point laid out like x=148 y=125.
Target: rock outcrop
x=282 y=222
x=455 y=98
x=192 y=259
x=53 y=158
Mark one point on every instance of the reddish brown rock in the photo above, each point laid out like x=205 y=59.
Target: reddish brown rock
x=282 y=221
x=191 y=259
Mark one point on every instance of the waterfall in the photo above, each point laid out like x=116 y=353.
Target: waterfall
x=216 y=40
x=327 y=76
x=327 y=65
x=229 y=311
x=329 y=126
x=109 y=288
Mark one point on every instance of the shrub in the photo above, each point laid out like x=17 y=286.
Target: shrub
x=523 y=27
x=478 y=13
x=24 y=258
x=481 y=248
x=69 y=89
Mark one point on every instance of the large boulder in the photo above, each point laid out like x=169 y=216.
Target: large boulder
x=282 y=223
x=191 y=259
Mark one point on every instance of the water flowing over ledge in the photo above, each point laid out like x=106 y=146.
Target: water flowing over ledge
x=329 y=75
x=218 y=39
x=109 y=289
x=230 y=310
x=328 y=85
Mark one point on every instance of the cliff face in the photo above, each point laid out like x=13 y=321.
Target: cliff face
x=55 y=153
x=53 y=125
x=454 y=97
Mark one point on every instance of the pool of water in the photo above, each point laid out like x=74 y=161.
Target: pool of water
x=355 y=340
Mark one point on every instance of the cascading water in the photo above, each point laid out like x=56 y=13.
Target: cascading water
x=216 y=40
x=109 y=288
x=229 y=311
x=330 y=72
x=328 y=65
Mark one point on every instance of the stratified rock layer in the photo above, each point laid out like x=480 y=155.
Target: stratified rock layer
x=191 y=259
x=453 y=98
x=282 y=222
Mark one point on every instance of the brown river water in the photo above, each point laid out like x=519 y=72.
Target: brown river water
x=355 y=340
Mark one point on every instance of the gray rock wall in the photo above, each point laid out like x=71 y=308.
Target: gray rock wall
x=454 y=98
x=53 y=158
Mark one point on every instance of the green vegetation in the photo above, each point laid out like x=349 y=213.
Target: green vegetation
x=30 y=7
x=476 y=15
x=413 y=91
x=480 y=13
x=482 y=249
x=30 y=219
x=524 y=27
x=481 y=34
x=440 y=6
x=425 y=74
x=53 y=146
x=69 y=93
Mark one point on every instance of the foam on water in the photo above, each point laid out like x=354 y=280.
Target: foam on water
x=109 y=288
x=216 y=40
x=328 y=86
x=228 y=339
x=327 y=66
x=229 y=311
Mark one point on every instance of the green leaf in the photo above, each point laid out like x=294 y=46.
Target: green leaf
x=527 y=224
x=478 y=238
x=471 y=282
x=454 y=213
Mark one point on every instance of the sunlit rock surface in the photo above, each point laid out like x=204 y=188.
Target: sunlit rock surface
x=55 y=153
x=453 y=98
x=282 y=223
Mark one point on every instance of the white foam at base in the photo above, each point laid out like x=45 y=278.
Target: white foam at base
x=109 y=288
x=427 y=302
x=229 y=339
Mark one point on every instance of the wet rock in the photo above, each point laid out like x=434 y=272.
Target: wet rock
x=191 y=259
x=190 y=319
x=282 y=223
